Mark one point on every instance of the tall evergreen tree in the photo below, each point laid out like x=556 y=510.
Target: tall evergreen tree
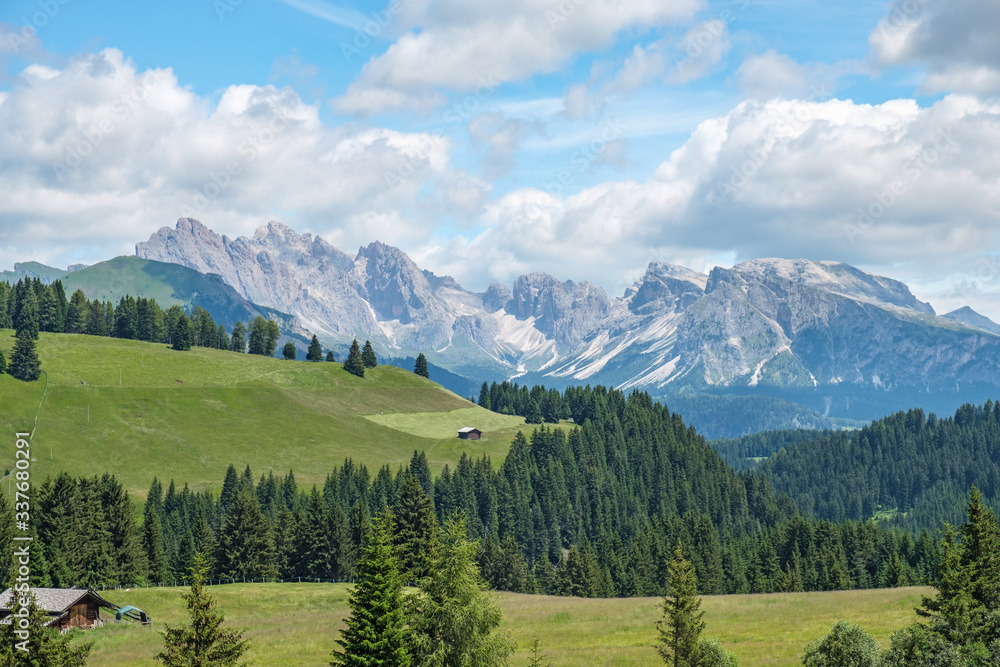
x=415 y=534
x=24 y=363
x=222 y=338
x=238 y=341
x=354 y=364
x=258 y=341
x=681 y=625
x=420 y=368
x=152 y=539
x=245 y=546
x=368 y=355
x=484 y=397
x=27 y=314
x=203 y=641
x=273 y=334
x=330 y=356
x=181 y=333
x=76 y=313
x=315 y=352
x=453 y=616
x=375 y=634
x=3 y=363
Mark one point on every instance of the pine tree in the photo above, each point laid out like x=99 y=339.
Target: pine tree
x=152 y=539
x=368 y=355
x=273 y=334
x=289 y=351
x=76 y=313
x=258 y=340
x=415 y=534
x=354 y=364
x=24 y=364
x=420 y=368
x=245 y=547
x=329 y=356
x=454 y=618
x=315 y=352
x=3 y=363
x=681 y=624
x=204 y=641
x=222 y=338
x=44 y=647
x=27 y=314
x=484 y=397
x=180 y=334
x=375 y=634
x=238 y=341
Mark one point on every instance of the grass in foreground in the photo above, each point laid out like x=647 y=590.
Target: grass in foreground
x=139 y=409
x=296 y=624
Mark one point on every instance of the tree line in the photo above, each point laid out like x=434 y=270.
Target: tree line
x=29 y=305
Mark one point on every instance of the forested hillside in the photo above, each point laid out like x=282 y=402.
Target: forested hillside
x=592 y=511
x=913 y=468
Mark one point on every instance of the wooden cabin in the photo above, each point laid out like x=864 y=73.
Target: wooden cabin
x=469 y=433
x=67 y=607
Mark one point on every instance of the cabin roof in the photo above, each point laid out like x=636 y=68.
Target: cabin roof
x=468 y=429
x=56 y=600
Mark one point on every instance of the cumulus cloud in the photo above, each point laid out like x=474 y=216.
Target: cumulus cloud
x=97 y=154
x=958 y=42
x=458 y=45
x=875 y=185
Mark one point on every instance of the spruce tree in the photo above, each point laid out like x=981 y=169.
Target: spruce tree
x=315 y=352
x=238 y=341
x=222 y=338
x=420 y=368
x=415 y=534
x=368 y=355
x=180 y=335
x=375 y=634
x=258 y=340
x=245 y=547
x=329 y=356
x=3 y=363
x=27 y=314
x=453 y=616
x=272 y=334
x=24 y=364
x=484 y=397
x=289 y=351
x=152 y=539
x=681 y=625
x=204 y=641
x=354 y=364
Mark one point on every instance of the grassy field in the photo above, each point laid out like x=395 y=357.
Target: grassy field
x=141 y=409
x=296 y=624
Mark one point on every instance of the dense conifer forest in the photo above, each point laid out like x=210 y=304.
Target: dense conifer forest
x=589 y=511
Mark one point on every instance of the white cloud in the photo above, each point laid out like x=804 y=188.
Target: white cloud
x=97 y=155
x=958 y=41
x=459 y=45
x=880 y=186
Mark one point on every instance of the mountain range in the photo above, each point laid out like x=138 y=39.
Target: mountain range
x=823 y=334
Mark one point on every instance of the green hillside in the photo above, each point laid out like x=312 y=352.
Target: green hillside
x=141 y=409
x=296 y=624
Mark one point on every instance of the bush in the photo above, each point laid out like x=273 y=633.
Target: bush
x=847 y=645
x=712 y=654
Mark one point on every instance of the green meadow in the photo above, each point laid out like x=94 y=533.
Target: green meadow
x=296 y=624
x=139 y=409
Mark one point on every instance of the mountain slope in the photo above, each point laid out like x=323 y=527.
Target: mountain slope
x=966 y=315
x=841 y=341
x=141 y=409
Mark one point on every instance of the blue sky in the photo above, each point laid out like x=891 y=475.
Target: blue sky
x=584 y=138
